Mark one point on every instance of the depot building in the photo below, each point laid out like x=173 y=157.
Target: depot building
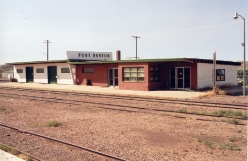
x=99 y=69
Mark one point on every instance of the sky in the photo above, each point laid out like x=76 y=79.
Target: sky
x=167 y=29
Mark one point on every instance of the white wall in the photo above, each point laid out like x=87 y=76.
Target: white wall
x=40 y=77
x=62 y=78
x=65 y=78
x=204 y=75
x=21 y=77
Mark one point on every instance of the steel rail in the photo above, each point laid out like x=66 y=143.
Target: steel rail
x=72 y=102
x=64 y=142
x=135 y=98
x=227 y=106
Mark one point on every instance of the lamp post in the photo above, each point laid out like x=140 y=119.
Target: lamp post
x=136 y=43
x=243 y=44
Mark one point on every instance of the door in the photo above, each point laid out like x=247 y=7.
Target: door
x=113 y=77
x=52 y=74
x=29 y=74
x=179 y=78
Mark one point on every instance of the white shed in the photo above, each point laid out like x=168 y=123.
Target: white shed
x=8 y=74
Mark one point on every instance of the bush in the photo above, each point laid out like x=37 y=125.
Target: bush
x=53 y=123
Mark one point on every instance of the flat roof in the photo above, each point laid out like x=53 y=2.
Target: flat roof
x=131 y=61
x=191 y=60
x=39 y=62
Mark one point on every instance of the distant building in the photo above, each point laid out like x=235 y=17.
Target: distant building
x=8 y=74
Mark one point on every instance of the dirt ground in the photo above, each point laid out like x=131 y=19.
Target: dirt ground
x=129 y=135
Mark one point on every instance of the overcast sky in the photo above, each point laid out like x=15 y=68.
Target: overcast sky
x=168 y=29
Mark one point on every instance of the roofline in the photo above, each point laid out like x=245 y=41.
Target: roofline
x=131 y=61
x=190 y=60
x=210 y=61
x=39 y=62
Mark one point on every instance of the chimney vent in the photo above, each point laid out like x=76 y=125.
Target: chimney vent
x=118 y=55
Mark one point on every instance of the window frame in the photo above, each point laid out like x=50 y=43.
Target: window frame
x=87 y=70
x=133 y=74
x=19 y=70
x=37 y=70
x=154 y=74
x=65 y=70
x=222 y=77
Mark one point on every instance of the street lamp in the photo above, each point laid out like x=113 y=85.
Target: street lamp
x=136 y=43
x=243 y=44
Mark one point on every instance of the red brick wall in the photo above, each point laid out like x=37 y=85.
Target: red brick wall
x=141 y=86
x=98 y=78
x=100 y=75
x=163 y=74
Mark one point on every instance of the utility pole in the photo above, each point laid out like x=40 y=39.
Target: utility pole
x=47 y=41
x=136 y=44
x=214 y=71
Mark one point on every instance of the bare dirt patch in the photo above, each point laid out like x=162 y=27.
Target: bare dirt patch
x=129 y=135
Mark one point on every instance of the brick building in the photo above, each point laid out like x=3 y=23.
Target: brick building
x=98 y=69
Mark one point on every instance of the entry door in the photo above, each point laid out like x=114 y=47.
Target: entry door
x=113 y=76
x=52 y=74
x=180 y=78
x=29 y=74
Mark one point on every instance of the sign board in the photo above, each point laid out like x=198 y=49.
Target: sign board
x=88 y=55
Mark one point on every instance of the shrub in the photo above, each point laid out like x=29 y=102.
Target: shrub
x=182 y=110
x=234 y=121
x=229 y=146
x=53 y=123
x=209 y=144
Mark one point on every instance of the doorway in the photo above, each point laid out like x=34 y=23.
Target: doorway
x=29 y=74
x=52 y=74
x=113 y=77
x=179 y=77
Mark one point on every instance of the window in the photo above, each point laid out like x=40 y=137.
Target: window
x=65 y=70
x=19 y=70
x=134 y=74
x=154 y=74
x=220 y=74
x=39 y=70
x=88 y=70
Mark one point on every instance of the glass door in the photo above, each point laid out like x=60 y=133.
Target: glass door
x=180 y=78
x=113 y=77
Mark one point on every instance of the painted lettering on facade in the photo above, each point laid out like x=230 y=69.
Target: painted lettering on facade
x=85 y=55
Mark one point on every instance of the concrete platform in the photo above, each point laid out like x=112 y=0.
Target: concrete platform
x=106 y=90
x=4 y=156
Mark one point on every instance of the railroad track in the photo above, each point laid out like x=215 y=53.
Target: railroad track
x=61 y=142
x=136 y=98
x=125 y=108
